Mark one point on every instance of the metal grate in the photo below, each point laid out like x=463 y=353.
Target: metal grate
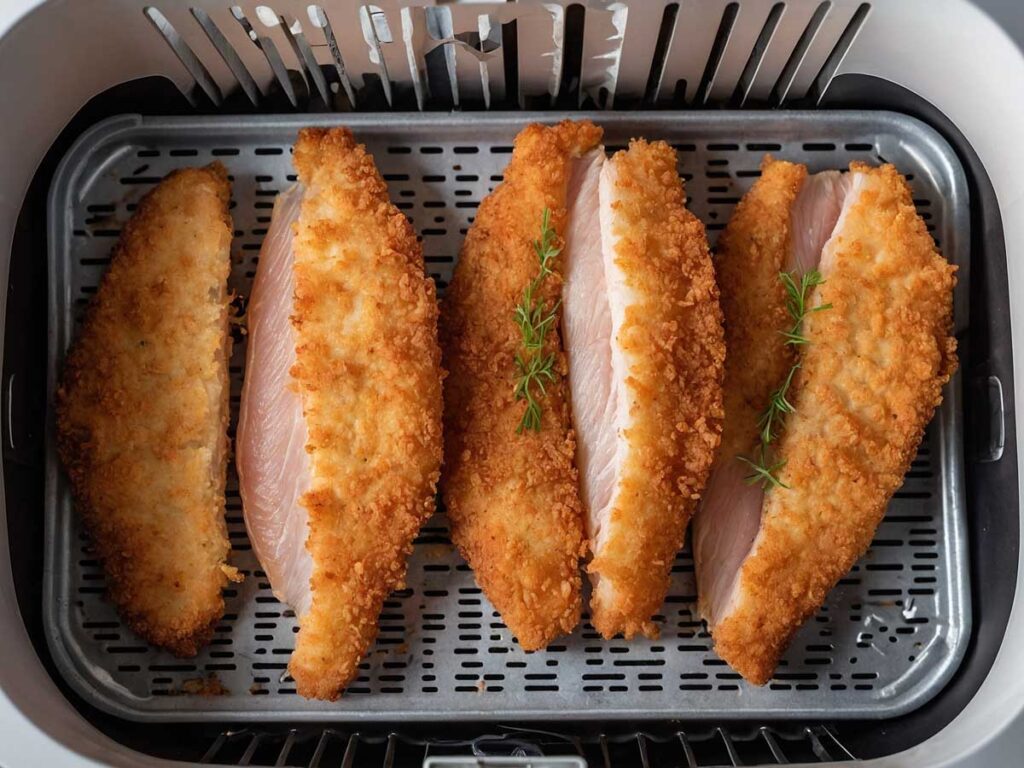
x=416 y=55
x=889 y=637
x=526 y=748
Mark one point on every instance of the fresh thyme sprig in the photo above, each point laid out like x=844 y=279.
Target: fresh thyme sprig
x=534 y=319
x=763 y=472
x=778 y=406
x=796 y=302
x=764 y=469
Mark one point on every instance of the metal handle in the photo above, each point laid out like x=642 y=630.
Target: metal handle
x=505 y=762
x=990 y=444
x=21 y=413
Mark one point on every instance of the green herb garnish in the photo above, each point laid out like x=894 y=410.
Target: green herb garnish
x=764 y=469
x=796 y=302
x=534 y=319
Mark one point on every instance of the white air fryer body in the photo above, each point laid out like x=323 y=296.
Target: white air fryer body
x=56 y=55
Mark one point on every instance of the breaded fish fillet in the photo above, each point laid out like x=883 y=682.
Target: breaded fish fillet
x=644 y=340
x=753 y=249
x=142 y=412
x=512 y=497
x=870 y=378
x=345 y=317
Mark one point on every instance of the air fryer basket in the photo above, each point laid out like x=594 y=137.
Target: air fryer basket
x=677 y=738
x=887 y=640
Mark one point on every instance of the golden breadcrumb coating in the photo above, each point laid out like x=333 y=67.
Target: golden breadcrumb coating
x=512 y=498
x=751 y=252
x=870 y=380
x=672 y=340
x=368 y=368
x=142 y=412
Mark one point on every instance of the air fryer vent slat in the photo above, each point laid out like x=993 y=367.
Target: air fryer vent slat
x=891 y=632
x=398 y=56
x=693 y=748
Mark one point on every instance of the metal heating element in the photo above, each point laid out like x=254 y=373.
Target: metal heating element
x=890 y=635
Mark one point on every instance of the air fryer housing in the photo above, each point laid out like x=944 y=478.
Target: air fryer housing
x=65 y=66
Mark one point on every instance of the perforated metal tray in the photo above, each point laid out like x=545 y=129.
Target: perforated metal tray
x=890 y=636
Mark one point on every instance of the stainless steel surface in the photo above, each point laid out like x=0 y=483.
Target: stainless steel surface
x=890 y=636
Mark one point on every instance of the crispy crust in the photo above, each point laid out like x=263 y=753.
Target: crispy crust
x=512 y=499
x=368 y=368
x=870 y=381
x=673 y=341
x=751 y=252
x=142 y=412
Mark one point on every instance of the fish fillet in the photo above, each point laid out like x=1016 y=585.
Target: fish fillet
x=869 y=381
x=644 y=340
x=512 y=498
x=142 y=412
x=343 y=362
